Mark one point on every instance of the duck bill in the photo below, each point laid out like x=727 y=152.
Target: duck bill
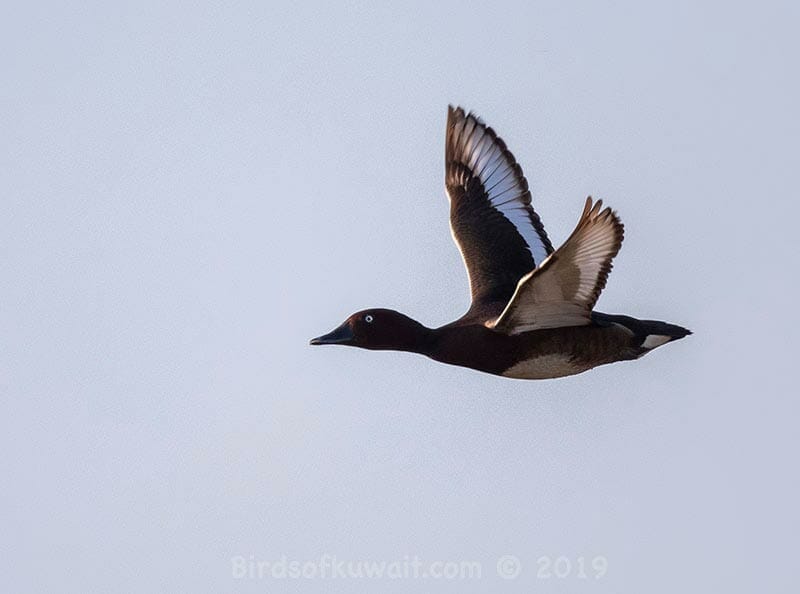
x=342 y=335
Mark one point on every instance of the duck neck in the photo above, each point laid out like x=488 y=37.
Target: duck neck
x=415 y=338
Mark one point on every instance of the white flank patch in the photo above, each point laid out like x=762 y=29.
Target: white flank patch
x=655 y=340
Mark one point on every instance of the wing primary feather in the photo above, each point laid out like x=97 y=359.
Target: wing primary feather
x=500 y=236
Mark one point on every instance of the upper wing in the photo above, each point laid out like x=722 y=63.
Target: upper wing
x=565 y=288
x=500 y=236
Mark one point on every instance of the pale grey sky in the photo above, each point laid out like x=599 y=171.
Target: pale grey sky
x=192 y=191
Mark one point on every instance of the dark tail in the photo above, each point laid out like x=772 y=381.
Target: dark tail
x=648 y=334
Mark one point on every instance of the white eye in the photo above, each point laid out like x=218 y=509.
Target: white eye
x=368 y=318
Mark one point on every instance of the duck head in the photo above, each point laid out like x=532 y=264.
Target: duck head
x=379 y=329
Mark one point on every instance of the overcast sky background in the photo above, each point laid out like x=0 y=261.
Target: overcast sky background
x=191 y=192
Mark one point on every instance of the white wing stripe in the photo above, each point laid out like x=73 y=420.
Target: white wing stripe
x=502 y=172
x=501 y=186
x=498 y=176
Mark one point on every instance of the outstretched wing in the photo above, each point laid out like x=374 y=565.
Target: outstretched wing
x=565 y=288
x=500 y=236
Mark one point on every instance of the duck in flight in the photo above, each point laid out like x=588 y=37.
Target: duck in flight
x=532 y=313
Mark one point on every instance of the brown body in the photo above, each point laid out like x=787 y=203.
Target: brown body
x=554 y=352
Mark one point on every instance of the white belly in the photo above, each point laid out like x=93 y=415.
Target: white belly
x=544 y=367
